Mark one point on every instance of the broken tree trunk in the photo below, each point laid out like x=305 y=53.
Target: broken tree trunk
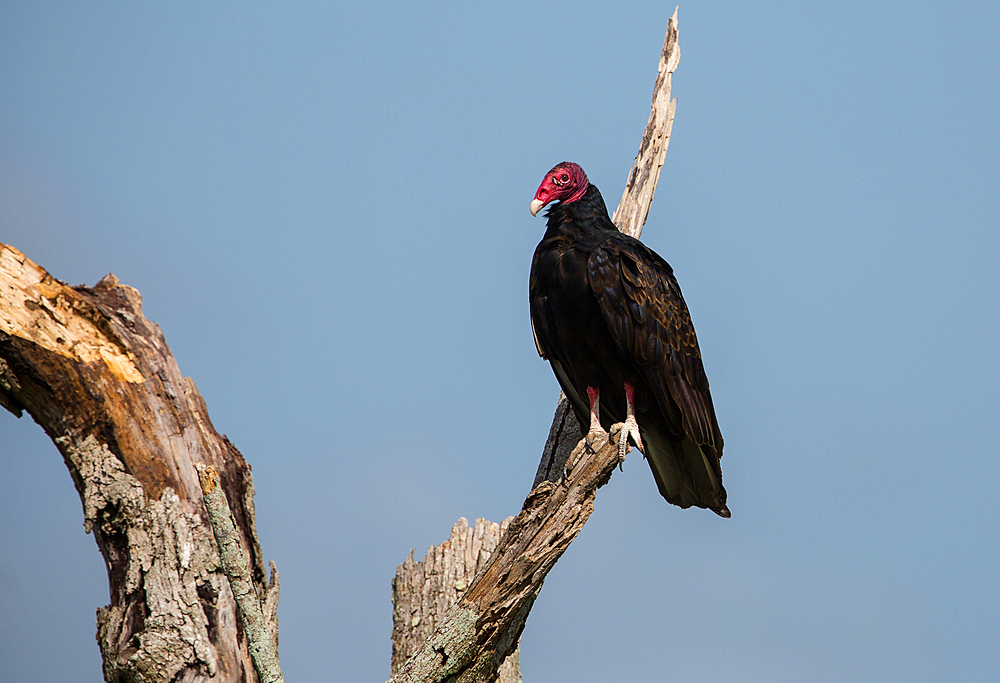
x=100 y=380
x=424 y=591
x=483 y=627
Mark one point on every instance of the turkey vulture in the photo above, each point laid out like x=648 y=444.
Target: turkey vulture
x=607 y=313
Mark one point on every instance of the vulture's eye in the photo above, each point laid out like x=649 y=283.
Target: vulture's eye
x=564 y=178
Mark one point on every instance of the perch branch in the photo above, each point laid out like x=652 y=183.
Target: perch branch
x=633 y=208
x=484 y=626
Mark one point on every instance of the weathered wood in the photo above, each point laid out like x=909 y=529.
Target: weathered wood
x=483 y=628
x=100 y=380
x=640 y=187
x=485 y=624
x=424 y=591
x=564 y=434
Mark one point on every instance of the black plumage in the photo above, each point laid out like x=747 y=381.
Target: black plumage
x=606 y=311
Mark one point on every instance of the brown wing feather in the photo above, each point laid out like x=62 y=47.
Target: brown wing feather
x=646 y=314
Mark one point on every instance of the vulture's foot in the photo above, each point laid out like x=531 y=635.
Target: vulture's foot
x=629 y=428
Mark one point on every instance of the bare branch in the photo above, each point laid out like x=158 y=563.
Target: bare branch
x=563 y=435
x=631 y=213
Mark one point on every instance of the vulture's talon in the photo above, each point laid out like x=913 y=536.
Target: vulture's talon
x=629 y=428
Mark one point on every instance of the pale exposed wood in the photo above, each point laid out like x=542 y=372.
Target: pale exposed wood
x=640 y=187
x=485 y=624
x=233 y=556
x=423 y=591
x=101 y=381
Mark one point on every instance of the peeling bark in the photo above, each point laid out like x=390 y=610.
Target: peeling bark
x=100 y=380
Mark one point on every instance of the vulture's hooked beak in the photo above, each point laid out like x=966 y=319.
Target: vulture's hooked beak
x=536 y=206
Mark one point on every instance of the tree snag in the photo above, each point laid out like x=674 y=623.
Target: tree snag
x=100 y=380
x=483 y=627
x=424 y=591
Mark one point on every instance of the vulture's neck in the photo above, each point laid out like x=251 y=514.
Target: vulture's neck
x=586 y=216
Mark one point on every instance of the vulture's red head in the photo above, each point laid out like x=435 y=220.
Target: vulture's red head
x=565 y=183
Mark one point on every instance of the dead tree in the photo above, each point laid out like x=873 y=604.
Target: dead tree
x=477 y=628
x=100 y=380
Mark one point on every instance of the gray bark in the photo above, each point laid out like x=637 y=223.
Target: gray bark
x=424 y=591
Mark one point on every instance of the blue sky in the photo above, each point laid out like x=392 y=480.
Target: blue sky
x=325 y=207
